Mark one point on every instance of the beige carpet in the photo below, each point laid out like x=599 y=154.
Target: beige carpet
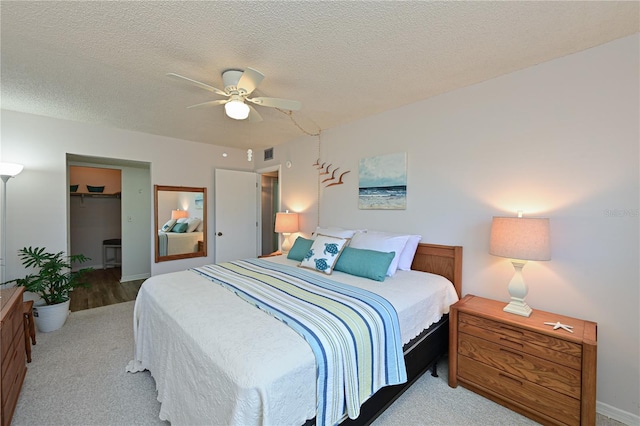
x=77 y=377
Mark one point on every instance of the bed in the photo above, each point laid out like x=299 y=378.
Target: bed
x=218 y=360
x=174 y=243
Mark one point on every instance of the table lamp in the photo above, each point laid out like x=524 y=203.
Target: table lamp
x=520 y=239
x=286 y=224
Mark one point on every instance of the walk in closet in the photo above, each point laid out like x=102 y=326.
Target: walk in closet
x=95 y=214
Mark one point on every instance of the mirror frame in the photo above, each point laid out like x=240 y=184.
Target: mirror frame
x=201 y=253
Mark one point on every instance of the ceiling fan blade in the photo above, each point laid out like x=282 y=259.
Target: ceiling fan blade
x=250 y=80
x=254 y=117
x=210 y=103
x=199 y=84
x=276 y=103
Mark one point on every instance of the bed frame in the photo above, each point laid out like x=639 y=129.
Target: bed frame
x=423 y=352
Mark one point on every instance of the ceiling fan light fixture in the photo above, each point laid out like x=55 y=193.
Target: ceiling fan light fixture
x=236 y=109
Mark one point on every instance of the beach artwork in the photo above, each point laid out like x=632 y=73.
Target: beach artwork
x=383 y=182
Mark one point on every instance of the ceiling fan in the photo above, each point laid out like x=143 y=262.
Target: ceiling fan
x=238 y=85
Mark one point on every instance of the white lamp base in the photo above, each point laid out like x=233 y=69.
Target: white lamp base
x=286 y=244
x=518 y=291
x=518 y=307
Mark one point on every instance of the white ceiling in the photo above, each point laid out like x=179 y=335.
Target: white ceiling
x=106 y=62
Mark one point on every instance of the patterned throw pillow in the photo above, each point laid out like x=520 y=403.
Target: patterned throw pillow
x=167 y=226
x=324 y=253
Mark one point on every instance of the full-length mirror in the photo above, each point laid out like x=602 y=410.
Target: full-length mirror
x=181 y=222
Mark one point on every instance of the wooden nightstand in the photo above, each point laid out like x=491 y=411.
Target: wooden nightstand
x=545 y=374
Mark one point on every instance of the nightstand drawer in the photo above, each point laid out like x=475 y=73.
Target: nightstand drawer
x=527 y=367
x=537 y=344
x=556 y=405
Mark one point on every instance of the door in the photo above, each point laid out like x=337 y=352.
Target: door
x=236 y=215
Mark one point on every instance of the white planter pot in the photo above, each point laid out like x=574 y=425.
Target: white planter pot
x=51 y=317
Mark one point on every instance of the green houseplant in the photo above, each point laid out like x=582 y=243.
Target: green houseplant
x=52 y=281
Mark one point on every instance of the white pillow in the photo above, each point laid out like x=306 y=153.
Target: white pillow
x=381 y=242
x=324 y=253
x=192 y=223
x=335 y=232
x=167 y=226
x=182 y=220
x=409 y=252
x=200 y=227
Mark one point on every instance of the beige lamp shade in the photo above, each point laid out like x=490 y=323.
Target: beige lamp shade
x=286 y=223
x=179 y=214
x=520 y=238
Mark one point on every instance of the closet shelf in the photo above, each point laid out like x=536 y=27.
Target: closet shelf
x=94 y=195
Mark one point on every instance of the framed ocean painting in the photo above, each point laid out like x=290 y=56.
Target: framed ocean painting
x=199 y=201
x=383 y=182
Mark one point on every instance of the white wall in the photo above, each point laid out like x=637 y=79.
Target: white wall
x=37 y=198
x=557 y=140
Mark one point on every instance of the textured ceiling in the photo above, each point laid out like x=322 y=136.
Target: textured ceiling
x=106 y=62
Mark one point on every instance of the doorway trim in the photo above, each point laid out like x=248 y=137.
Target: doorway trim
x=277 y=168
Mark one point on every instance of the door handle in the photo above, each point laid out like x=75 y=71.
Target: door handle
x=219 y=234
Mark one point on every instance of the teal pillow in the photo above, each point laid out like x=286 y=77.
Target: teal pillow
x=180 y=227
x=300 y=248
x=364 y=263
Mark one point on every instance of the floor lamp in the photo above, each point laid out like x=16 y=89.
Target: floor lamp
x=7 y=171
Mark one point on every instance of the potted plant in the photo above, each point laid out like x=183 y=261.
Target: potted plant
x=52 y=282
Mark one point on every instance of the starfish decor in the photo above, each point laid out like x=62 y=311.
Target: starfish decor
x=557 y=325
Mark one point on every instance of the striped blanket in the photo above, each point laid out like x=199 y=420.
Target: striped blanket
x=354 y=334
x=163 y=244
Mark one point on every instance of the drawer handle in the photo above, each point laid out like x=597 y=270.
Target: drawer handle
x=512 y=342
x=511 y=329
x=510 y=378
x=512 y=353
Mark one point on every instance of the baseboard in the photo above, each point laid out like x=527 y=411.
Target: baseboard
x=614 y=413
x=134 y=277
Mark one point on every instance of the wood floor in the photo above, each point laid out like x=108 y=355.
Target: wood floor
x=106 y=289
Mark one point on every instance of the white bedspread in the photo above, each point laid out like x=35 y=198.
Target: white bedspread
x=180 y=242
x=217 y=360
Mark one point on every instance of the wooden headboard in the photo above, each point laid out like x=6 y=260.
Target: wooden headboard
x=440 y=260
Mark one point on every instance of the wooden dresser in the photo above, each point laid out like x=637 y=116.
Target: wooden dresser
x=545 y=374
x=13 y=350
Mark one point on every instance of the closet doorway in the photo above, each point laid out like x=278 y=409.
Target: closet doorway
x=121 y=211
x=95 y=214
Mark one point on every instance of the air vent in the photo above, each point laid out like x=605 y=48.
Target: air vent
x=268 y=154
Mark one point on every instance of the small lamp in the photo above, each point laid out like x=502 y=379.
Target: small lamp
x=179 y=214
x=7 y=171
x=286 y=224
x=520 y=239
